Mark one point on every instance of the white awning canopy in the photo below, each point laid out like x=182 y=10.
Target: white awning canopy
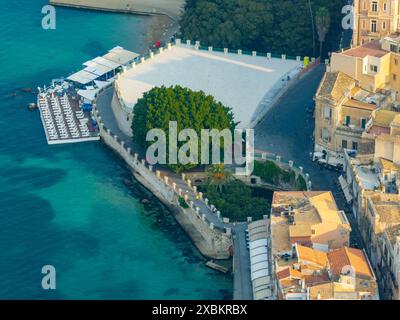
x=259 y=274
x=83 y=77
x=104 y=62
x=101 y=84
x=345 y=189
x=259 y=258
x=121 y=56
x=259 y=243
x=89 y=95
x=97 y=69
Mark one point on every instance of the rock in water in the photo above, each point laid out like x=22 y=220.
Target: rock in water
x=32 y=106
x=127 y=182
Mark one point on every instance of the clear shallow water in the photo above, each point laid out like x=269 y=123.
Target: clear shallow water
x=67 y=205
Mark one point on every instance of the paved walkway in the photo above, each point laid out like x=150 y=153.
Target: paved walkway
x=242 y=286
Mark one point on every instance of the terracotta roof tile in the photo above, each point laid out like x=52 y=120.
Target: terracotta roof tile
x=340 y=258
x=335 y=84
x=310 y=255
x=372 y=48
x=283 y=274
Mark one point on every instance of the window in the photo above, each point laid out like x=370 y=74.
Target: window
x=344 y=144
x=363 y=123
x=396 y=61
x=373 y=26
x=327 y=113
x=355 y=145
x=383 y=25
x=325 y=135
x=373 y=68
x=374 y=6
x=384 y=6
x=348 y=120
x=394 y=77
x=394 y=48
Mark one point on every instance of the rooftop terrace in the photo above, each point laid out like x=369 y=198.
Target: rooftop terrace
x=368 y=176
x=243 y=82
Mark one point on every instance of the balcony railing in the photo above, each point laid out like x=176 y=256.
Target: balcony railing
x=356 y=130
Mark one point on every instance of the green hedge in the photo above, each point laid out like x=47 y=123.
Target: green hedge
x=236 y=201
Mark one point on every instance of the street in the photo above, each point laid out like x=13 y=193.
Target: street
x=242 y=285
x=288 y=131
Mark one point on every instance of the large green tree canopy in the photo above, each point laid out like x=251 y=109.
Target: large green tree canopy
x=190 y=109
x=278 y=26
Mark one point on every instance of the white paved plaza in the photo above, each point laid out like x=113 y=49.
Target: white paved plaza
x=244 y=83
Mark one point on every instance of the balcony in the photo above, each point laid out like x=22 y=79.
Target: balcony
x=350 y=129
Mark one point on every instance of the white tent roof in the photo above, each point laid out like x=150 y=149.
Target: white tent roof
x=259 y=266
x=345 y=188
x=259 y=274
x=120 y=55
x=83 y=77
x=98 y=69
x=258 y=250
x=258 y=243
x=88 y=94
x=104 y=62
x=259 y=258
x=101 y=84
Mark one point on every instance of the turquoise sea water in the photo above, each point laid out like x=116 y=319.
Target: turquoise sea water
x=67 y=205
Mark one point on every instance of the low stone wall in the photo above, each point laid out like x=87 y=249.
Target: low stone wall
x=290 y=165
x=212 y=242
x=123 y=118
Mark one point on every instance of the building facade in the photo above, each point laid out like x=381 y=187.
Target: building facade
x=383 y=234
x=341 y=114
x=374 y=65
x=374 y=19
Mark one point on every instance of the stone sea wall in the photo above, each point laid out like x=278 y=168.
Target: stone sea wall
x=212 y=242
x=171 y=8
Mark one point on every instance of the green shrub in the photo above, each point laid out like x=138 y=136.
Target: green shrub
x=183 y=203
x=267 y=171
x=301 y=183
x=190 y=109
x=236 y=201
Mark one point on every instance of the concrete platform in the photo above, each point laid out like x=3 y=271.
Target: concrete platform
x=244 y=83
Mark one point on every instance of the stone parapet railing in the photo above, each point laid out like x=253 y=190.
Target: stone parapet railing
x=218 y=238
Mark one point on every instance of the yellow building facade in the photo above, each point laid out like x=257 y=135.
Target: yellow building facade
x=374 y=19
x=375 y=65
x=341 y=114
